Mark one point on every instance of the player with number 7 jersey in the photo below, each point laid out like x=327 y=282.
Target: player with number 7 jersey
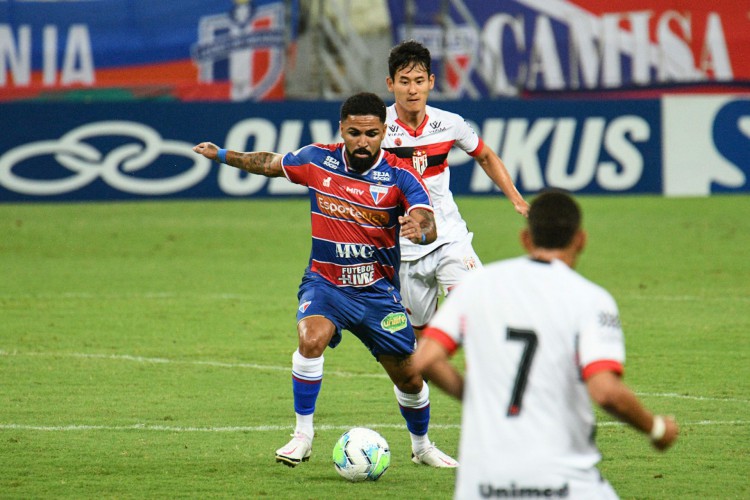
x=541 y=343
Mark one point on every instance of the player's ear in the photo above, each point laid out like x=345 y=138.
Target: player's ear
x=432 y=81
x=579 y=240
x=525 y=236
x=389 y=83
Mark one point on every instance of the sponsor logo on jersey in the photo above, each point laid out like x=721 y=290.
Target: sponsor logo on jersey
x=378 y=193
x=331 y=163
x=351 y=250
x=394 y=322
x=515 y=490
x=436 y=127
x=327 y=182
x=354 y=190
x=303 y=306
x=360 y=275
x=344 y=210
x=393 y=128
x=609 y=320
x=381 y=176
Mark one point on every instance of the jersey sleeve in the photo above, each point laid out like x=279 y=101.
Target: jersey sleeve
x=467 y=138
x=601 y=344
x=296 y=165
x=415 y=192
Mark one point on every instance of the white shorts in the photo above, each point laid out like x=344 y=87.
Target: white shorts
x=424 y=278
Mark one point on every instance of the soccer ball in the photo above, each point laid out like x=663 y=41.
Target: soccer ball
x=361 y=454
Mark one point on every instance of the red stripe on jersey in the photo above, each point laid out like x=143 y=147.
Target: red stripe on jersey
x=337 y=230
x=442 y=338
x=357 y=275
x=605 y=365
x=478 y=149
x=410 y=130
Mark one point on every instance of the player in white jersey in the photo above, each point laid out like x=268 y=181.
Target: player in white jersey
x=541 y=342
x=425 y=135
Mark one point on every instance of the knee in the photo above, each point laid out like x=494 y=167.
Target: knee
x=412 y=385
x=314 y=336
x=311 y=347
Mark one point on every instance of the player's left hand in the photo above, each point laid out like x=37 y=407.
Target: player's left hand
x=410 y=229
x=522 y=207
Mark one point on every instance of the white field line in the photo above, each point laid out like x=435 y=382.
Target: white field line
x=254 y=366
x=281 y=428
x=240 y=296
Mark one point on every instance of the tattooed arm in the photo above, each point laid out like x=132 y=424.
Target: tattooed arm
x=261 y=163
x=419 y=222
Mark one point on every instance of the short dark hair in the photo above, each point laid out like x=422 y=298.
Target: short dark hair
x=554 y=218
x=364 y=103
x=408 y=54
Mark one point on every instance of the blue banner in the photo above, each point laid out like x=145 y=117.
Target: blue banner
x=186 y=50
x=676 y=146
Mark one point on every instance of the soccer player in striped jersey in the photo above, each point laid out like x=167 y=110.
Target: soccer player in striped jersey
x=424 y=135
x=361 y=199
x=541 y=343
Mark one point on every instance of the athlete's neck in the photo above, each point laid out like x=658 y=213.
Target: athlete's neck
x=412 y=119
x=548 y=255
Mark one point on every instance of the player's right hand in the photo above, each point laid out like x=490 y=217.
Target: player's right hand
x=670 y=435
x=207 y=149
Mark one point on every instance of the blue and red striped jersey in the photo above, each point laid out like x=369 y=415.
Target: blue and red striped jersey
x=354 y=216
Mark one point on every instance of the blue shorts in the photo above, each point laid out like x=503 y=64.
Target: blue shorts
x=377 y=318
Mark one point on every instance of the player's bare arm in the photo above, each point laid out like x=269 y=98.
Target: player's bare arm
x=611 y=394
x=261 y=163
x=419 y=222
x=432 y=360
x=495 y=169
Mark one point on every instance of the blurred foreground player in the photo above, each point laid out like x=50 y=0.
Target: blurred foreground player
x=541 y=342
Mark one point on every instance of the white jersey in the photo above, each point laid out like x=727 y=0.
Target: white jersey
x=428 y=148
x=531 y=331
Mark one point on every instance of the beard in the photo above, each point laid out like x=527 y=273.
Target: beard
x=358 y=163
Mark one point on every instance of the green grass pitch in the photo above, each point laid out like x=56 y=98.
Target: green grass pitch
x=145 y=350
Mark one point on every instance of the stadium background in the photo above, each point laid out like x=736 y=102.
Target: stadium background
x=144 y=346
x=101 y=101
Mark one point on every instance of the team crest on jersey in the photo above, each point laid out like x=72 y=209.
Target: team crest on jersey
x=303 y=306
x=419 y=161
x=470 y=263
x=378 y=193
x=398 y=141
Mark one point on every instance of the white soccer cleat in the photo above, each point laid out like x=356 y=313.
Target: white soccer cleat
x=433 y=457
x=295 y=451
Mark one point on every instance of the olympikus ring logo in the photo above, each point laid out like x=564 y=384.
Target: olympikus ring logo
x=75 y=152
x=394 y=322
x=344 y=210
